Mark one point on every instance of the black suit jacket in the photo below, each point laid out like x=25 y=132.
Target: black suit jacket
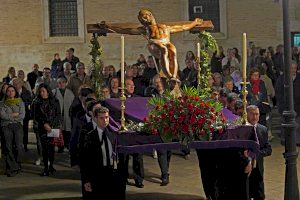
x=75 y=139
x=264 y=146
x=27 y=99
x=92 y=166
x=32 y=77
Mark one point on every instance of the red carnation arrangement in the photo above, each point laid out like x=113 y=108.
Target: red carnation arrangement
x=188 y=117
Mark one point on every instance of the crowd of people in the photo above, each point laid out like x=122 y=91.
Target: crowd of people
x=61 y=97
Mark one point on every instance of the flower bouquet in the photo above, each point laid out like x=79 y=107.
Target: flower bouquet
x=185 y=118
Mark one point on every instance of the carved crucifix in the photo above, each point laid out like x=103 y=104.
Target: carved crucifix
x=157 y=35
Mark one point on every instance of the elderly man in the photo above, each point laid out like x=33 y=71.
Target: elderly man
x=78 y=79
x=46 y=78
x=256 y=178
x=279 y=92
x=65 y=97
x=67 y=71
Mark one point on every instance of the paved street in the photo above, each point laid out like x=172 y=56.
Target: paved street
x=185 y=182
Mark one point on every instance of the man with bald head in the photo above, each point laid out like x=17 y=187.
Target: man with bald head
x=137 y=159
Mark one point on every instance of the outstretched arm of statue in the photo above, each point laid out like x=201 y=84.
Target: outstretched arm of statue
x=185 y=27
x=122 y=28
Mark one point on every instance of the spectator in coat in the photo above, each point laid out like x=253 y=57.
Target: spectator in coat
x=26 y=84
x=46 y=79
x=12 y=112
x=56 y=66
x=47 y=114
x=78 y=79
x=70 y=58
x=66 y=71
x=65 y=97
x=114 y=84
x=26 y=97
x=279 y=92
x=34 y=75
x=10 y=75
x=257 y=94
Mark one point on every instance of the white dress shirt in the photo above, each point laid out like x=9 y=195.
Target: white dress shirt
x=88 y=118
x=100 y=133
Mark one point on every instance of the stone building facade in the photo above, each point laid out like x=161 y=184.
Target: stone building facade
x=25 y=38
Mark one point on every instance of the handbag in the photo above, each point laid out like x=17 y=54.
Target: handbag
x=58 y=141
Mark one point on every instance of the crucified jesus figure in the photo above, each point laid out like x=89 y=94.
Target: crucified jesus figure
x=158 y=36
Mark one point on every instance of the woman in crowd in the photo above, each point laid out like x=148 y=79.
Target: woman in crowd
x=4 y=86
x=12 y=111
x=2 y=94
x=190 y=56
x=236 y=54
x=21 y=76
x=47 y=114
x=114 y=87
x=10 y=75
x=257 y=94
x=26 y=97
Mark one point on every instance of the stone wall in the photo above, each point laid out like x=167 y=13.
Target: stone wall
x=22 y=35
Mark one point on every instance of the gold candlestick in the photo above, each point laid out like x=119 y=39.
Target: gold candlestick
x=123 y=100
x=198 y=59
x=244 y=93
x=122 y=96
x=244 y=83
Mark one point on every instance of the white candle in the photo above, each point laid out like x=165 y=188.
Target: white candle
x=244 y=63
x=198 y=51
x=122 y=62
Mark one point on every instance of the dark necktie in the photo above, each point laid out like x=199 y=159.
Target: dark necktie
x=105 y=140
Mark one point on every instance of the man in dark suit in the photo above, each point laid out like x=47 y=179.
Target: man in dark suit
x=82 y=127
x=137 y=158
x=97 y=166
x=34 y=75
x=256 y=178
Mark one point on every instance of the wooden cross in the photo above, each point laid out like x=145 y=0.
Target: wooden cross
x=102 y=31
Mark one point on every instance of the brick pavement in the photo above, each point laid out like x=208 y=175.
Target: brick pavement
x=185 y=182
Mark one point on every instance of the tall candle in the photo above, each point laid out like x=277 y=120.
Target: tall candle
x=244 y=63
x=198 y=51
x=122 y=62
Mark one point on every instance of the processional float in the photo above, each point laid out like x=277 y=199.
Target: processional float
x=160 y=46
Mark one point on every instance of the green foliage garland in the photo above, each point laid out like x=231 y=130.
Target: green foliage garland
x=96 y=65
x=208 y=45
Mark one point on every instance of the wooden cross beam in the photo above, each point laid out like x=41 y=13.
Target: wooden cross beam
x=95 y=28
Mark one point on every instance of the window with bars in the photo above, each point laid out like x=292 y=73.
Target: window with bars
x=63 y=18
x=207 y=10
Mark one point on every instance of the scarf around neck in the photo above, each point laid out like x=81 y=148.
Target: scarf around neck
x=13 y=102
x=255 y=86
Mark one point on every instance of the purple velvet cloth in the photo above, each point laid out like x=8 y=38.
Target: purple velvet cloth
x=137 y=109
x=229 y=115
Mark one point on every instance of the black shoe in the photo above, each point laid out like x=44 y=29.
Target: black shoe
x=11 y=174
x=60 y=150
x=44 y=173
x=165 y=181
x=52 y=170
x=139 y=185
x=25 y=148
